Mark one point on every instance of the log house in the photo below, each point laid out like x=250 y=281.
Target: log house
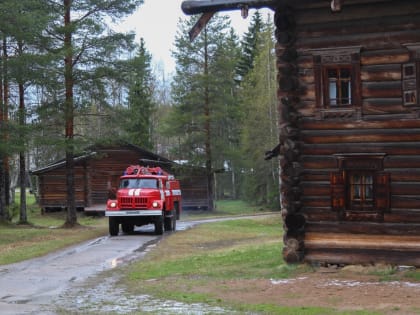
x=97 y=172
x=349 y=141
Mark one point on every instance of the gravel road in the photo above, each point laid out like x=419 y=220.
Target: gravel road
x=64 y=281
x=33 y=286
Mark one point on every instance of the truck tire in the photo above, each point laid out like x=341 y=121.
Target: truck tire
x=168 y=223
x=114 y=226
x=159 y=225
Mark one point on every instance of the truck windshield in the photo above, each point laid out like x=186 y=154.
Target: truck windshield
x=139 y=183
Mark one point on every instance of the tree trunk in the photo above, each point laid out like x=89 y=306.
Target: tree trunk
x=207 y=129
x=23 y=219
x=6 y=174
x=71 y=219
x=2 y=206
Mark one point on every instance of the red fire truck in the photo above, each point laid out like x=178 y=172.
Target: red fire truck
x=146 y=195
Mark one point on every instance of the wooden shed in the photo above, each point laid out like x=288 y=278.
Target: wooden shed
x=349 y=81
x=99 y=169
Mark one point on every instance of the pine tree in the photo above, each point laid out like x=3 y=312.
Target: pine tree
x=138 y=126
x=250 y=45
x=21 y=25
x=87 y=45
x=260 y=131
x=203 y=91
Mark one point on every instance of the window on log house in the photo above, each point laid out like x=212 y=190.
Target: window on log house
x=338 y=85
x=338 y=82
x=360 y=190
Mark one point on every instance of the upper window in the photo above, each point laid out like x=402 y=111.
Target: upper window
x=409 y=83
x=411 y=76
x=339 y=85
x=337 y=82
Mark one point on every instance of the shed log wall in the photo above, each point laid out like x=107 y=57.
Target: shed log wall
x=379 y=124
x=95 y=175
x=53 y=191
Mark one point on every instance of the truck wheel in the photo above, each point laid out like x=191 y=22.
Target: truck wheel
x=168 y=223
x=159 y=225
x=114 y=226
x=127 y=228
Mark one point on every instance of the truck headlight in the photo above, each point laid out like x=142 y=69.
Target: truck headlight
x=155 y=204
x=113 y=204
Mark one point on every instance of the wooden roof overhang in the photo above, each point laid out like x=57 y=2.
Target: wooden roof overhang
x=209 y=7
x=202 y=6
x=95 y=150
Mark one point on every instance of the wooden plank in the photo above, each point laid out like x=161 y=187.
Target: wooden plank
x=359 y=138
x=382 y=57
x=402 y=162
x=319 y=162
x=365 y=241
x=339 y=125
x=381 y=105
x=404 y=202
x=388 y=72
x=316 y=188
x=392 y=148
x=402 y=175
x=382 y=89
x=316 y=201
x=409 y=188
x=358 y=12
x=374 y=228
x=344 y=256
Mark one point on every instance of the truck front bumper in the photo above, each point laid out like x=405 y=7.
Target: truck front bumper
x=133 y=213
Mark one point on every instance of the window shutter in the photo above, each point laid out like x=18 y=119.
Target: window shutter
x=382 y=191
x=337 y=191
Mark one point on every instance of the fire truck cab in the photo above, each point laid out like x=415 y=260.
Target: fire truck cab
x=146 y=195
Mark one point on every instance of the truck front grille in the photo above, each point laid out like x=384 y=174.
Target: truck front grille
x=133 y=203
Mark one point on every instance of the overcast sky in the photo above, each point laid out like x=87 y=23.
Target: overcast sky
x=156 y=21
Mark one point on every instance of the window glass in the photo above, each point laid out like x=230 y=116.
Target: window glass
x=361 y=190
x=339 y=86
x=138 y=183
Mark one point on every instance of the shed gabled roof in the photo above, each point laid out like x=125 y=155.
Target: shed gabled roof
x=95 y=150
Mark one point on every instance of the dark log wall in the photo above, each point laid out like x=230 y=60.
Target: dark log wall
x=104 y=172
x=96 y=175
x=380 y=35
x=52 y=188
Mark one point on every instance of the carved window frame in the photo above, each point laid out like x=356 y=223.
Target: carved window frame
x=410 y=76
x=339 y=58
x=342 y=197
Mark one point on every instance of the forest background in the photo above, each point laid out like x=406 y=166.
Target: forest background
x=69 y=81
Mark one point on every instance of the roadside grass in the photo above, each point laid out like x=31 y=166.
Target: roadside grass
x=225 y=208
x=43 y=233
x=185 y=265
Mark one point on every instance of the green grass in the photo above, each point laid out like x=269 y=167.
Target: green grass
x=225 y=208
x=209 y=257
x=213 y=255
x=18 y=243
x=413 y=275
x=43 y=234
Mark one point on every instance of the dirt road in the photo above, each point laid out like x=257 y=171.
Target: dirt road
x=30 y=287
x=71 y=281
x=43 y=285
